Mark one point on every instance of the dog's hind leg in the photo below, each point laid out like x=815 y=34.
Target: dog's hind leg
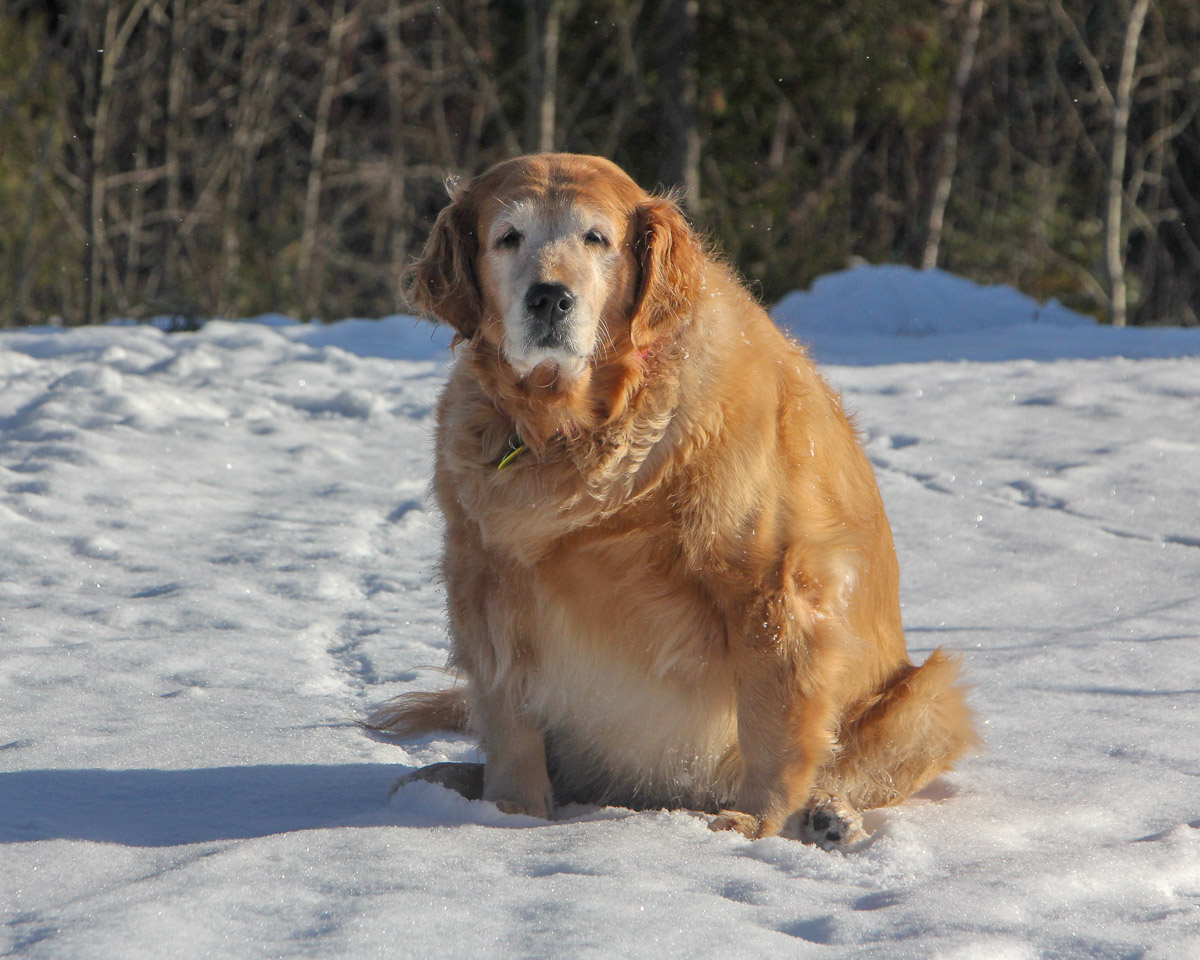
x=900 y=739
x=463 y=778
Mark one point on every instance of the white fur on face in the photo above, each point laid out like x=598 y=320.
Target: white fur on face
x=532 y=242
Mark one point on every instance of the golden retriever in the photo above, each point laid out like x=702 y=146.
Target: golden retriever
x=669 y=575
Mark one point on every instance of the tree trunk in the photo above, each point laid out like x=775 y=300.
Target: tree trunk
x=1114 y=245
x=397 y=241
x=550 y=31
x=173 y=145
x=309 y=269
x=543 y=22
x=95 y=112
x=678 y=97
x=948 y=155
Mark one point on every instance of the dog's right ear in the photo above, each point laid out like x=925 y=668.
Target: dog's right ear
x=442 y=283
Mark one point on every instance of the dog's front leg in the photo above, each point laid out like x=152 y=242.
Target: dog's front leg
x=784 y=715
x=514 y=774
x=483 y=608
x=486 y=594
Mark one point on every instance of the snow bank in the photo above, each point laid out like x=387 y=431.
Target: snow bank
x=895 y=314
x=898 y=301
x=395 y=338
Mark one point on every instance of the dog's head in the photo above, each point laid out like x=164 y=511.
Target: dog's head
x=560 y=261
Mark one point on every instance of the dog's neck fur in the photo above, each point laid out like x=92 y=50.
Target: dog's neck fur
x=544 y=405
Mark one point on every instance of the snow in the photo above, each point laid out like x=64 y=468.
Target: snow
x=218 y=550
x=895 y=314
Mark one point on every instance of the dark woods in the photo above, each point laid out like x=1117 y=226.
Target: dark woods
x=218 y=158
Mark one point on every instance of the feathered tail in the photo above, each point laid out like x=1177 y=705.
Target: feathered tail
x=413 y=713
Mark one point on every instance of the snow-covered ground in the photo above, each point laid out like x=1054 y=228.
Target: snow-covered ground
x=217 y=550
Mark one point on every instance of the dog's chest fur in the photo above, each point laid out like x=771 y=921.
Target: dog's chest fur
x=623 y=655
x=630 y=678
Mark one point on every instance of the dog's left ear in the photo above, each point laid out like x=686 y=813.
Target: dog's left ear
x=442 y=283
x=671 y=265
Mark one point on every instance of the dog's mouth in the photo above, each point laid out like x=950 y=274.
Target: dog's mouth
x=552 y=352
x=552 y=367
x=551 y=339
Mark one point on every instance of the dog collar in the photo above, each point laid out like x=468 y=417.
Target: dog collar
x=516 y=447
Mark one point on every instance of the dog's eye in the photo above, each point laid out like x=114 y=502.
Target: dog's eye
x=510 y=240
x=595 y=238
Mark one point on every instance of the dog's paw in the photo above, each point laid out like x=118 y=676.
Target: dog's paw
x=830 y=823
x=748 y=825
x=540 y=811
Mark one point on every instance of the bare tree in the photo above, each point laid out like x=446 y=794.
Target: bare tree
x=543 y=26
x=397 y=241
x=309 y=268
x=1116 y=106
x=1114 y=245
x=195 y=157
x=948 y=152
x=677 y=96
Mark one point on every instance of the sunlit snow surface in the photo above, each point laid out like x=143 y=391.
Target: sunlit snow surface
x=218 y=548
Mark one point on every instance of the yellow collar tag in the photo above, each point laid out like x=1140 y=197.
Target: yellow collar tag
x=511 y=456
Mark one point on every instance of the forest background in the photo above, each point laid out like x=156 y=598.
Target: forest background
x=200 y=158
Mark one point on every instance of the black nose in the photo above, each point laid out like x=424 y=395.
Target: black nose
x=548 y=303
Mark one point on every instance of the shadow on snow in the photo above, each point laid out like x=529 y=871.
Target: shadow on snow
x=163 y=808
x=150 y=808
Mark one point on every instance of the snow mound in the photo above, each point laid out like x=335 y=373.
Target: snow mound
x=893 y=300
x=398 y=337
x=870 y=315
